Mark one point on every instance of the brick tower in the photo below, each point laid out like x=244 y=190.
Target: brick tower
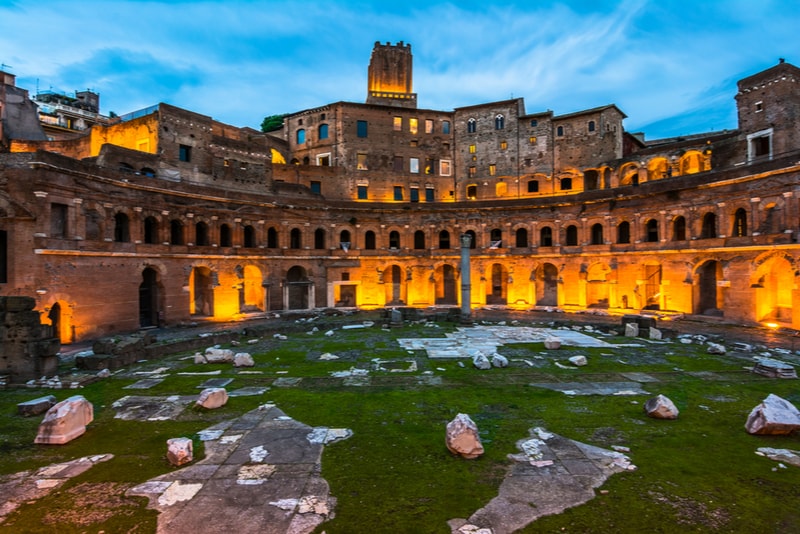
x=389 y=75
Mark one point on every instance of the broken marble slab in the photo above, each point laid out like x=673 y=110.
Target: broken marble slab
x=215 y=383
x=593 y=388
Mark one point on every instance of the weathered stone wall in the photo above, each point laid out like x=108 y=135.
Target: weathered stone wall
x=29 y=350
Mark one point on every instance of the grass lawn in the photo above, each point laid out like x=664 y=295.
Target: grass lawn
x=698 y=473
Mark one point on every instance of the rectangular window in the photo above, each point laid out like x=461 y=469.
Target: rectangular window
x=428 y=126
x=361 y=162
x=413 y=143
x=492 y=169
x=398 y=192
x=361 y=128
x=472 y=171
x=429 y=194
x=316 y=187
x=414 y=194
x=429 y=164
x=398 y=124
x=532 y=140
x=413 y=165
x=444 y=167
x=3 y=257
x=473 y=149
x=413 y=125
x=533 y=186
x=397 y=164
x=185 y=153
x=503 y=145
x=58 y=220
x=534 y=123
x=445 y=127
x=324 y=160
x=362 y=192
x=759 y=107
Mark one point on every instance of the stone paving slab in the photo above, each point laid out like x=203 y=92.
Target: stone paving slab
x=465 y=342
x=593 y=388
x=145 y=383
x=142 y=408
x=261 y=474
x=552 y=473
x=215 y=383
x=248 y=391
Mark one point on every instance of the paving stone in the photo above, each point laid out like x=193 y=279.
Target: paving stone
x=286 y=381
x=215 y=383
x=145 y=383
x=248 y=391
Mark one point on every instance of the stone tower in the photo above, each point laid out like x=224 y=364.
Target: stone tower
x=389 y=75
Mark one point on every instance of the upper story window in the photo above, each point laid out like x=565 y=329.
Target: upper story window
x=58 y=220
x=591 y=126
x=534 y=123
x=533 y=186
x=301 y=136
x=361 y=162
x=316 y=187
x=428 y=126
x=492 y=169
x=472 y=125
x=397 y=124
x=499 y=122
x=759 y=107
x=362 y=192
x=566 y=184
x=413 y=165
x=445 y=168
x=398 y=192
x=472 y=171
x=445 y=127
x=185 y=153
x=413 y=125
x=560 y=131
x=503 y=145
x=473 y=149
x=323 y=131
x=532 y=140
x=361 y=128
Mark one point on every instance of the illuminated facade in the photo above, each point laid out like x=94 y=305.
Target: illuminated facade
x=167 y=216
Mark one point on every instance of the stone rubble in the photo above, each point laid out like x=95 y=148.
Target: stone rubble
x=774 y=417
x=212 y=398
x=179 y=451
x=65 y=421
x=462 y=437
x=661 y=407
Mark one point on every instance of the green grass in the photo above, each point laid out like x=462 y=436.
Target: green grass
x=698 y=473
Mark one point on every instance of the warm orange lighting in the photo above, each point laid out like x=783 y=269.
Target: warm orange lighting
x=771 y=325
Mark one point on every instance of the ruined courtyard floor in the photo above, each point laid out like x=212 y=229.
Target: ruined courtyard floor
x=261 y=471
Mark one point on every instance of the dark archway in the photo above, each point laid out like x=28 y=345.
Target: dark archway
x=148 y=299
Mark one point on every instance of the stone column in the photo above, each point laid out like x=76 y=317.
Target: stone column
x=466 y=297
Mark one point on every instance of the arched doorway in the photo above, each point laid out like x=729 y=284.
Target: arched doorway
x=709 y=295
x=652 y=286
x=597 y=286
x=148 y=299
x=773 y=289
x=252 y=296
x=202 y=292
x=497 y=293
x=395 y=286
x=547 y=290
x=55 y=320
x=297 y=288
x=446 y=285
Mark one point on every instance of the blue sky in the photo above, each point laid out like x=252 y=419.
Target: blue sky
x=670 y=65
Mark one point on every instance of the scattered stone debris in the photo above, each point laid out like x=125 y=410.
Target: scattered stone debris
x=65 y=421
x=661 y=407
x=328 y=356
x=569 y=470
x=36 y=406
x=773 y=368
x=498 y=360
x=480 y=361
x=212 y=398
x=780 y=455
x=243 y=359
x=774 y=416
x=179 y=451
x=578 y=360
x=462 y=437
x=715 y=348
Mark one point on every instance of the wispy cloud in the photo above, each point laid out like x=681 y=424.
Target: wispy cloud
x=670 y=65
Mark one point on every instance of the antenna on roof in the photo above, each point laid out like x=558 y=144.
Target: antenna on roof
x=3 y=66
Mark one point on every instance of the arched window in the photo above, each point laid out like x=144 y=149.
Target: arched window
x=566 y=184
x=322 y=132
x=709 y=226
x=301 y=136
x=499 y=122
x=444 y=239
x=472 y=192
x=201 y=234
x=122 y=231
x=591 y=126
x=533 y=186
x=295 y=238
x=572 y=235
x=175 y=232
x=419 y=240
x=651 y=231
x=272 y=237
x=249 y=237
x=319 y=238
x=473 y=239
x=560 y=131
x=546 y=237
x=495 y=238
x=151 y=230
x=344 y=237
x=597 y=234
x=679 y=229
x=394 y=239
x=369 y=240
x=739 y=223
x=472 y=125
x=225 y=238
x=624 y=232
x=521 y=238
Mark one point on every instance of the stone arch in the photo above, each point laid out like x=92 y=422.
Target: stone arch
x=597 y=286
x=649 y=290
x=395 y=285
x=629 y=174
x=445 y=276
x=498 y=284
x=658 y=168
x=297 y=289
x=202 y=281
x=708 y=296
x=546 y=279
x=252 y=295
x=773 y=282
x=692 y=162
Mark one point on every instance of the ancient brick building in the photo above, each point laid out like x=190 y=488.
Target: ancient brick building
x=166 y=216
